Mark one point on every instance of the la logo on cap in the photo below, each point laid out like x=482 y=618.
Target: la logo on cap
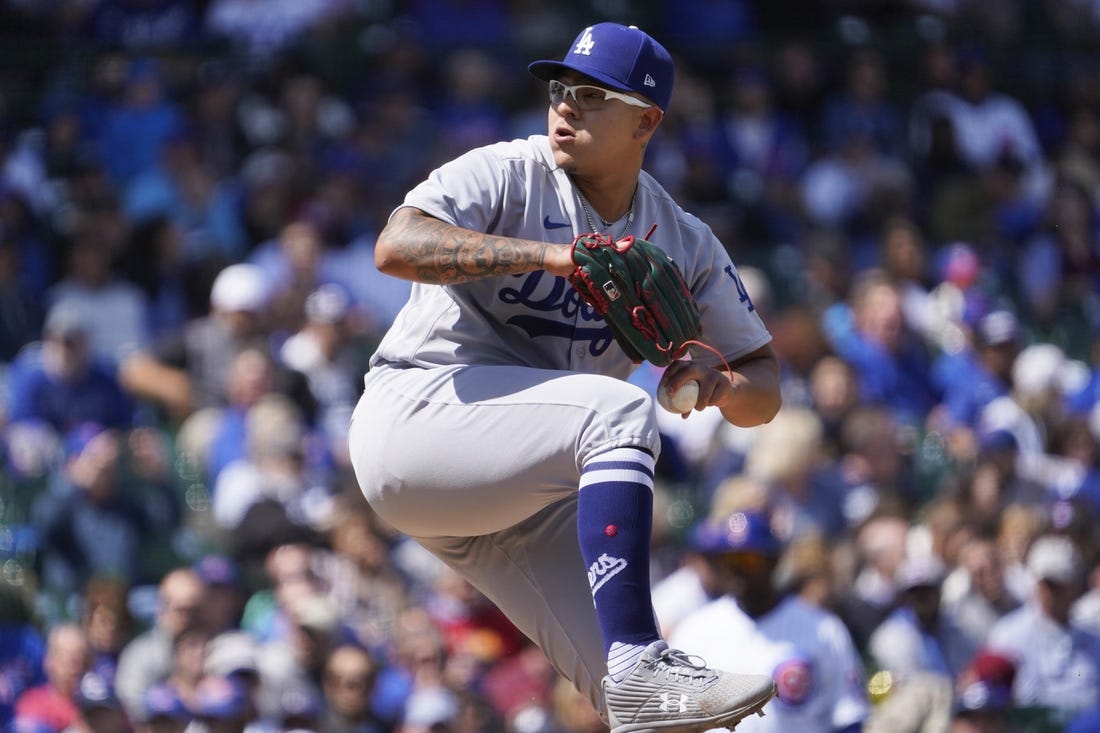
x=585 y=44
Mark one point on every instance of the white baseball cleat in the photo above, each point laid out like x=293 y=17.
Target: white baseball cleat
x=672 y=692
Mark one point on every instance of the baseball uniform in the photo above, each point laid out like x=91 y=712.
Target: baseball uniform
x=485 y=398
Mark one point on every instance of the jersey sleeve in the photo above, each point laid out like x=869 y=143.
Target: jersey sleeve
x=731 y=323
x=467 y=191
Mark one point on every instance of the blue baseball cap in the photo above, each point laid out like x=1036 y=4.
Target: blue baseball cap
x=94 y=692
x=221 y=698
x=162 y=701
x=620 y=57
x=216 y=569
x=747 y=531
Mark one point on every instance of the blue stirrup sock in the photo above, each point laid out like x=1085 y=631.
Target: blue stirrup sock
x=614 y=523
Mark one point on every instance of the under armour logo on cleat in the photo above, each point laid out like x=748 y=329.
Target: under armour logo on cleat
x=673 y=702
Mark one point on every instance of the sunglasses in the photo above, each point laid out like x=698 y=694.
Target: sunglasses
x=744 y=562
x=588 y=97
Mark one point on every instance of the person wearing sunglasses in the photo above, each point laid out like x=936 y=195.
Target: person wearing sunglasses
x=761 y=620
x=498 y=427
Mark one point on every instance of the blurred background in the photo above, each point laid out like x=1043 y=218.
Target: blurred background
x=189 y=195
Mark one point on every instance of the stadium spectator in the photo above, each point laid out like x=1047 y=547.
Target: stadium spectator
x=983 y=694
x=805 y=495
x=162 y=711
x=223 y=602
x=92 y=523
x=691 y=584
x=113 y=308
x=250 y=379
x=328 y=353
x=277 y=466
x=188 y=369
x=221 y=705
x=879 y=548
x=369 y=589
x=186 y=670
x=147 y=658
x=756 y=625
x=106 y=619
x=975 y=593
x=973 y=376
x=182 y=189
x=136 y=124
x=348 y=683
x=100 y=710
x=59 y=383
x=989 y=123
x=891 y=362
x=292 y=265
x=1058 y=663
x=864 y=103
x=295 y=663
x=920 y=636
x=53 y=704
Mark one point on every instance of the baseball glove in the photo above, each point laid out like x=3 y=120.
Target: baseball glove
x=639 y=290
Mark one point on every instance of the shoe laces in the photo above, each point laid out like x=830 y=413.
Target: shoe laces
x=676 y=665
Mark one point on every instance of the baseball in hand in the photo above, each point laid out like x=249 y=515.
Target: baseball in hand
x=682 y=400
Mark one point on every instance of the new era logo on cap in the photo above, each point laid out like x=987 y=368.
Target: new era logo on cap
x=619 y=57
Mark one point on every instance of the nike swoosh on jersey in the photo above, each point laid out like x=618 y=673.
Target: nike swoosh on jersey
x=553 y=224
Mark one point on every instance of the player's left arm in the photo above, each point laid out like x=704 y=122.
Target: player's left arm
x=747 y=395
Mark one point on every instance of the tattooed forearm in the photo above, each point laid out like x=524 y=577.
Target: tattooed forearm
x=428 y=250
x=460 y=255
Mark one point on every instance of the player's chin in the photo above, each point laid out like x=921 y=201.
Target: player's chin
x=564 y=159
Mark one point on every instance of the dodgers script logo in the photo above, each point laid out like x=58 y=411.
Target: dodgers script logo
x=603 y=570
x=542 y=292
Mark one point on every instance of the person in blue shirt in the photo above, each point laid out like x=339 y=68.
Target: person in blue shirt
x=58 y=382
x=53 y=386
x=974 y=377
x=892 y=365
x=90 y=523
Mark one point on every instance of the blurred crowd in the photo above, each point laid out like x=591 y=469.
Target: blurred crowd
x=189 y=194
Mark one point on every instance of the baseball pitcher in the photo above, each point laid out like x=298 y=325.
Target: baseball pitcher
x=497 y=427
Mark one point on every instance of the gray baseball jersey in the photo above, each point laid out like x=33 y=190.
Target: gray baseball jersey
x=485 y=399
x=515 y=189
